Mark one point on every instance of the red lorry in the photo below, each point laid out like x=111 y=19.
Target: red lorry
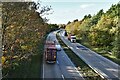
x=50 y=52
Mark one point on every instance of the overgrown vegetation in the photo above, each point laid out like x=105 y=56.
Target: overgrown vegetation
x=86 y=71
x=24 y=33
x=99 y=32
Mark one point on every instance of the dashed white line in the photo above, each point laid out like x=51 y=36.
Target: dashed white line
x=63 y=77
x=57 y=62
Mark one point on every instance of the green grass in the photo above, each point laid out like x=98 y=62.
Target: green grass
x=86 y=71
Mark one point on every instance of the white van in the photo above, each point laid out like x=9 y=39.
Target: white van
x=73 y=39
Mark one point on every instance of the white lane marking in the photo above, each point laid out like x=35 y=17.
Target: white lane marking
x=63 y=77
x=57 y=62
x=79 y=73
x=43 y=70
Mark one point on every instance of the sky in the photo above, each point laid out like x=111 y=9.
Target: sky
x=64 y=11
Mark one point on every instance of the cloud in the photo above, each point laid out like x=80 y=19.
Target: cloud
x=83 y=6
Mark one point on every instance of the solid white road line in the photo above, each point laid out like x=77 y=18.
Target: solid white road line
x=43 y=71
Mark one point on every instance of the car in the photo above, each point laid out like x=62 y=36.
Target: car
x=58 y=47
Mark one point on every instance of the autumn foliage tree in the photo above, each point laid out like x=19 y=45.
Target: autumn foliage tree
x=23 y=30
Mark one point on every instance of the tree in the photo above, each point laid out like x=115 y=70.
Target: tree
x=89 y=16
x=23 y=29
x=116 y=43
x=97 y=17
x=68 y=22
x=75 y=20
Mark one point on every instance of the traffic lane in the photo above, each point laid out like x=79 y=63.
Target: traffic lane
x=111 y=63
x=51 y=71
x=97 y=63
x=67 y=67
x=107 y=64
x=92 y=54
x=73 y=48
x=50 y=37
x=64 y=67
x=100 y=65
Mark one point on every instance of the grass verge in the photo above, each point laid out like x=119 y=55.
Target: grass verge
x=86 y=71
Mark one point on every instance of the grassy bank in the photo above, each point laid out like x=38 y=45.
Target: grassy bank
x=101 y=50
x=86 y=71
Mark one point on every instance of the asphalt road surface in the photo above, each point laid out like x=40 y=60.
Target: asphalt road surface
x=106 y=68
x=63 y=69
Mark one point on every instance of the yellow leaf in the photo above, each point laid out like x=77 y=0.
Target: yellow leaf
x=3 y=59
